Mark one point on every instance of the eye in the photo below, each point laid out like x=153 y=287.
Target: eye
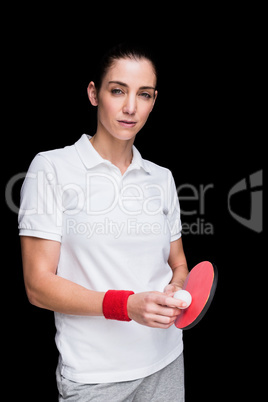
x=116 y=91
x=146 y=95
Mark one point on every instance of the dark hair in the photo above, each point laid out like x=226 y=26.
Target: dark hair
x=122 y=51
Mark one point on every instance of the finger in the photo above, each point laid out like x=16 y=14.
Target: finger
x=169 y=290
x=167 y=311
x=164 y=321
x=171 y=302
x=160 y=299
x=162 y=326
x=165 y=318
x=160 y=323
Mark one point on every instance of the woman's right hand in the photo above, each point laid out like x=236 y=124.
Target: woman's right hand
x=153 y=309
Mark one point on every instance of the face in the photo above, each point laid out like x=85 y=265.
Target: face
x=126 y=97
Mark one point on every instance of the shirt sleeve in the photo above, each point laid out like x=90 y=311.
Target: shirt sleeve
x=40 y=213
x=173 y=215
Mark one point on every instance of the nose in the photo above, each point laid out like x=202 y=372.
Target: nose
x=130 y=105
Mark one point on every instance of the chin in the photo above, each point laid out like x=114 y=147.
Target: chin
x=125 y=135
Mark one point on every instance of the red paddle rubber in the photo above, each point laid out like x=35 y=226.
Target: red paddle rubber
x=201 y=283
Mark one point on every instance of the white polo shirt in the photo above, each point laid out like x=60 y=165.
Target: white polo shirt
x=115 y=232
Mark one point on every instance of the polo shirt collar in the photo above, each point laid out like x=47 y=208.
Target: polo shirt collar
x=91 y=158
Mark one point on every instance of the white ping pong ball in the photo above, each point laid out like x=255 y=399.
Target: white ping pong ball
x=184 y=296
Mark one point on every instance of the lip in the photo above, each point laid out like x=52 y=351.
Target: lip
x=127 y=123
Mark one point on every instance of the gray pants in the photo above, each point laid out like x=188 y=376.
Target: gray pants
x=166 y=385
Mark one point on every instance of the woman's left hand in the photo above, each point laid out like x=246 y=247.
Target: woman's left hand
x=171 y=289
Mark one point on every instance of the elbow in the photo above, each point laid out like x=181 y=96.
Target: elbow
x=32 y=295
x=38 y=290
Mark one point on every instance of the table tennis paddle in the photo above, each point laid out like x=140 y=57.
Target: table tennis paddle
x=201 y=283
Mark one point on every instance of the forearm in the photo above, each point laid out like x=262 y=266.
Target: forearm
x=179 y=275
x=61 y=295
x=178 y=265
x=46 y=289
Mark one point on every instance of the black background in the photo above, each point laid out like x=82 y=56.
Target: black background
x=205 y=127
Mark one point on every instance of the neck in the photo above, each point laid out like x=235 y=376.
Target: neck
x=118 y=152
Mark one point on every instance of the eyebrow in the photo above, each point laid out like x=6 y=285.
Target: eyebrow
x=125 y=85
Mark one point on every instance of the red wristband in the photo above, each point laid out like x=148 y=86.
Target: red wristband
x=114 y=305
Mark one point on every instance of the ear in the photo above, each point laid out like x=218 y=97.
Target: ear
x=92 y=94
x=155 y=96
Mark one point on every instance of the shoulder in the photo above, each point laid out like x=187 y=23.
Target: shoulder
x=157 y=170
x=58 y=155
x=54 y=159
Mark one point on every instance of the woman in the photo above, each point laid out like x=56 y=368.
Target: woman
x=101 y=244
